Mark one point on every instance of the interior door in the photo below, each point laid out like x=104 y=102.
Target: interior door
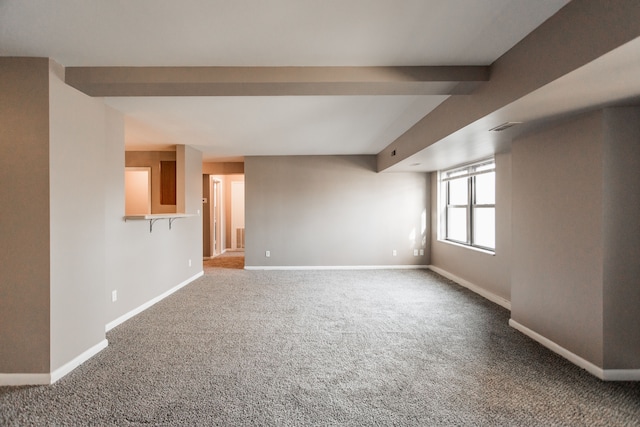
x=216 y=222
x=237 y=215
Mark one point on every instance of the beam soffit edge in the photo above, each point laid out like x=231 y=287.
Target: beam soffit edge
x=579 y=33
x=276 y=81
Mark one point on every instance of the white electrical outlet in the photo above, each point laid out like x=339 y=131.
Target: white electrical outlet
x=421 y=252
x=189 y=263
x=267 y=254
x=395 y=252
x=415 y=252
x=114 y=296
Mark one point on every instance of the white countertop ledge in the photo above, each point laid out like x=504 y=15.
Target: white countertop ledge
x=158 y=216
x=152 y=218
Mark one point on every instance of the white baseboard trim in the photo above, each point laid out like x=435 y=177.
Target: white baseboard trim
x=46 y=379
x=603 y=374
x=77 y=361
x=571 y=357
x=24 y=379
x=336 y=267
x=472 y=287
x=149 y=303
x=621 y=375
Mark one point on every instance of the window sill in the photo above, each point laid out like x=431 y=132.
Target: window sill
x=472 y=248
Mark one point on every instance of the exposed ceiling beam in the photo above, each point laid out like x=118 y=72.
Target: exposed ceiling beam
x=276 y=81
x=578 y=34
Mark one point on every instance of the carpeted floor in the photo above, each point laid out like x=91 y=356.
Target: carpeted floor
x=228 y=259
x=296 y=348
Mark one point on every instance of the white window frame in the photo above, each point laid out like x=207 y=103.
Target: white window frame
x=469 y=171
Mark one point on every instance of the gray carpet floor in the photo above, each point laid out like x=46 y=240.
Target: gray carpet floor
x=296 y=348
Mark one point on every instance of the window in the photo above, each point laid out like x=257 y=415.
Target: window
x=468 y=205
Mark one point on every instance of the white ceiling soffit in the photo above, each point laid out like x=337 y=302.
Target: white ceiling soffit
x=612 y=79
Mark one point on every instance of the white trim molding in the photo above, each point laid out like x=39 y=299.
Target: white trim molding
x=603 y=374
x=336 y=267
x=47 y=379
x=149 y=303
x=24 y=379
x=472 y=287
x=77 y=361
x=621 y=375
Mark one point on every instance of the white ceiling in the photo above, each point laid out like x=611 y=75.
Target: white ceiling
x=273 y=33
x=258 y=126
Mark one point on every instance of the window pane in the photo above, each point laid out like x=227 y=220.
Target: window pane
x=486 y=189
x=457 y=224
x=484 y=227
x=458 y=189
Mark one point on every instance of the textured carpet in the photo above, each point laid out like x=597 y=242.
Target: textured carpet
x=355 y=348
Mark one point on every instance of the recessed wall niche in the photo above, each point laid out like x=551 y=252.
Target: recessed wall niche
x=167 y=182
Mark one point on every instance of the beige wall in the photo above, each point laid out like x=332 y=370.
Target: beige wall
x=621 y=216
x=65 y=244
x=144 y=265
x=492 y=273
x=333 y=211
x=152 y=159
x=76 y=180
x=557 y=274
x=567 y=235
x=24 y=213
x=223 y=168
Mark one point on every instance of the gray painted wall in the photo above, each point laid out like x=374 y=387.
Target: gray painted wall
x=490 y=272
x=333 y=211
x=143 y=265
x=576 y=232
x=65 y=243
x=76 y=180
x=621 y=218
x=557 y=267
x=24 y=213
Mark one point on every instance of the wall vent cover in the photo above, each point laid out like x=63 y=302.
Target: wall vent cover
x=505 y=125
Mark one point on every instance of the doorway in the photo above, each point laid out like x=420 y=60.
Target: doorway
x=137 y=185
x=237 y=215
x=223 y=214
x=216 y=216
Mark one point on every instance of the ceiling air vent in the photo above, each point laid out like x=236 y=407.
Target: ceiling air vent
x=505 y=125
